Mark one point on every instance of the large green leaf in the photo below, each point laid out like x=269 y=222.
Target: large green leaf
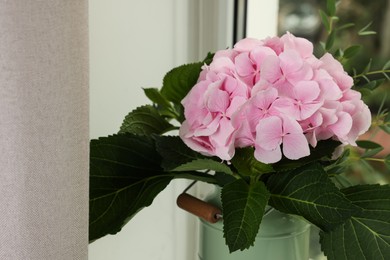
x=179 y=81
x=246 y=164
x=243 y=208
x=204 y=164
x=145 y=120
x=125 y=176
x=366 y=235
x=308 y=192
x=176 y=153
x=155 y=96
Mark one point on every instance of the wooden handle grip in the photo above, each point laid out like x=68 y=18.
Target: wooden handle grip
x=199 y=208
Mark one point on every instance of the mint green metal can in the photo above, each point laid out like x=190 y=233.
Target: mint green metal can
x=281 y=237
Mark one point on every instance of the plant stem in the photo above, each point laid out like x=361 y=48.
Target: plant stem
x=374 y=159
x=371 y=73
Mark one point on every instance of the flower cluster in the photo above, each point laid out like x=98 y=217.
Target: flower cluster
x=273 y=95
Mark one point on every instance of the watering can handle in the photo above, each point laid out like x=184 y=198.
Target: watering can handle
x=200 y=208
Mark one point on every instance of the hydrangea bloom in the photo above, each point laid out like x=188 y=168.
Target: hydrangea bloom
x=273 y=95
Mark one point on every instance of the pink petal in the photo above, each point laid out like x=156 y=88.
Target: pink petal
x=263 y=99
x=290 y=61
x=260 y=85
x=223 y=141
x=275 y=44
x=336 y=70
x=225 y=153
x=222 y=136
x=217 y=100
x=270 y=69
x=351 y=94
x=295 y=146
x=229 y=53
x=328 y=115
x=303 y=46
x=312 y=138
x=253 y=115
x=244 y=65
x=207 y=129
x=247 y=44
x=244 y=137
x=222 y=65
x=235 y=105
x=329 y=89
x=235 y=87
x=268 y=156
x=361 y=124
x=195 y=96
x=304 y=73
x=307 y=110
x=287 y=107
x=269 y=132
x=306 y=91
x=291 y=126
x=343 y=125
x=199 y=145
x=258 y=55
x=284 y=87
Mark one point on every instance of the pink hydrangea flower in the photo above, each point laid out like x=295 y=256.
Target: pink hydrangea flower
x=273 y=95
x=208 y=109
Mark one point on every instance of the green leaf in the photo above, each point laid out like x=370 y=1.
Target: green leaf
x=365 y=33
x=387 y=161
x=386 y=66
x=196 y=176
x=223 y=179
x=179 y=81
x=342 y=181
x=352 y=51
x=323 y=149
x=155 y=96
x=308 y=192
x=125 y=176
x=243 y=208
x=246 y=164
x=386 y=123
x=209 y=58
x=372 y=148
x=372 y=85
x=366 y=235
x=371 y=152
x=338 y=53
x=145 y=120
x=176 y=153
x=331 y=7
x=204 y=164
x=366 y=144
x=345 y=26
x=330 y=41
x=325 y=20
x=368 y=67
x=385 y=128
x=340 y=165
x=365 y=92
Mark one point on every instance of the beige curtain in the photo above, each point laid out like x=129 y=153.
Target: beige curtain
x=43 y=129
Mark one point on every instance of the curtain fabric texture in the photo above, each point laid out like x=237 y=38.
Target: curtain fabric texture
x=43 y=129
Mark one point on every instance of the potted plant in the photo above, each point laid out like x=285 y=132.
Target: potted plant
x=266 y=121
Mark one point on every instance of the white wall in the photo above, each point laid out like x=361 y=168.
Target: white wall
x=132 y=45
